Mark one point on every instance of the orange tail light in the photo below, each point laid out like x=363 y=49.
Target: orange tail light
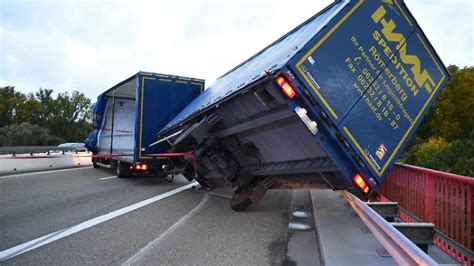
x=360 y=182
x=286 y=87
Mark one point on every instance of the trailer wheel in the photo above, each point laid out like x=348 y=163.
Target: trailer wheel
x=94 y=163
x=169 y=178
x=122 y=169
x=240 y=201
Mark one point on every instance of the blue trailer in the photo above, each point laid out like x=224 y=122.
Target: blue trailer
x=128 y=116
x=332 y=103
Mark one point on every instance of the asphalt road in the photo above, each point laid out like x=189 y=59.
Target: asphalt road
x=86 y=216
x=188 y=227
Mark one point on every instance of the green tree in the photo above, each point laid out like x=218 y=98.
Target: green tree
x=452 y=115
x=445 y=139
x=67 y=115
x=454 y=157
x=432 y=154
x=72 y=116
x=461 y=157
x=26 y=134
x=47 y=103
x=16 y=107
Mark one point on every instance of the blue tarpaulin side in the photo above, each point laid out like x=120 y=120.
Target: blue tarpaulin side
x=98 y=112
x=91 y=141
x=97 y=119
x=273 y=57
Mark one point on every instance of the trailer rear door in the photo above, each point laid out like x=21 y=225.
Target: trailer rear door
x=160 y=98
x=375 y=74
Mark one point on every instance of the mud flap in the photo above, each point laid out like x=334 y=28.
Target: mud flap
x=260 y=189
x=242 y=200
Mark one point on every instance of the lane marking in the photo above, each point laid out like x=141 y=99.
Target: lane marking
x=46 y=172
x=44 y=240
x=108 y=177
x=146 y=249
x=215 y=194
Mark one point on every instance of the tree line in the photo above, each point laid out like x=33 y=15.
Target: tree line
x=43 y=118
x=445 y=139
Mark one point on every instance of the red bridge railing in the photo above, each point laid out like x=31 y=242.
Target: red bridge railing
x=441 y=198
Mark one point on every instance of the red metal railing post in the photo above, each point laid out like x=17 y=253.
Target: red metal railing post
x=441 y=198
x=469 y=219
x=429 y=198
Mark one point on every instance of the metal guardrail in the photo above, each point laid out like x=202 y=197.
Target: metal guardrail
x=439 y=236
x=13 y=150
x=403 y=251
x=441 y=198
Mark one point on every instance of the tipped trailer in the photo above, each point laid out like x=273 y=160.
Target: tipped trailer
x=332 y=103
x=127 y=116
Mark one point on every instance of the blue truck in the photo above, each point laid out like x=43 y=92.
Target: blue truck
x=127 y=116
x=333 y=103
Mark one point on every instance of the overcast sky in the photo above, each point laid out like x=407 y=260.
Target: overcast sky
x=92 y=45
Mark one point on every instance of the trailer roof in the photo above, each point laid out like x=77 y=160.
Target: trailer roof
x=272 y=57
x=126 y=88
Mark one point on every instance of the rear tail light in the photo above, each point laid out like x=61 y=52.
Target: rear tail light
x=286 y=87
x=140 y=166
x=360 y=182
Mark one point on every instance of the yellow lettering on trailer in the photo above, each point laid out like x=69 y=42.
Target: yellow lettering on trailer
x=422 y=78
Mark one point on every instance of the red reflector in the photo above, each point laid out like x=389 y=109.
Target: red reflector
x=286 y=88
x=360 y=182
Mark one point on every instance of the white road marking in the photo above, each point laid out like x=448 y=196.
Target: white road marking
x=44 y=240
x=46 y=172
x=108 y=177
x=149 y=247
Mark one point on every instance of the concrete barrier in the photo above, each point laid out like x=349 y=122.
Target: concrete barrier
x=42 y=161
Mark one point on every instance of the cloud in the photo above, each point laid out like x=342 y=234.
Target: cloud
x=26 y=55
x=92 y=45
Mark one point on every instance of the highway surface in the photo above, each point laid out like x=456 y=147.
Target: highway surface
x=88 y=216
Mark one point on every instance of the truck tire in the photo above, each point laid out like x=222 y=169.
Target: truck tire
x=168 y=178
x=122 y=169
x=94 y=163
x=188 y=173
x=240 y=202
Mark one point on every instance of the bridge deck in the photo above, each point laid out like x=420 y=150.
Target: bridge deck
x=186 y=228
x=345 y=237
